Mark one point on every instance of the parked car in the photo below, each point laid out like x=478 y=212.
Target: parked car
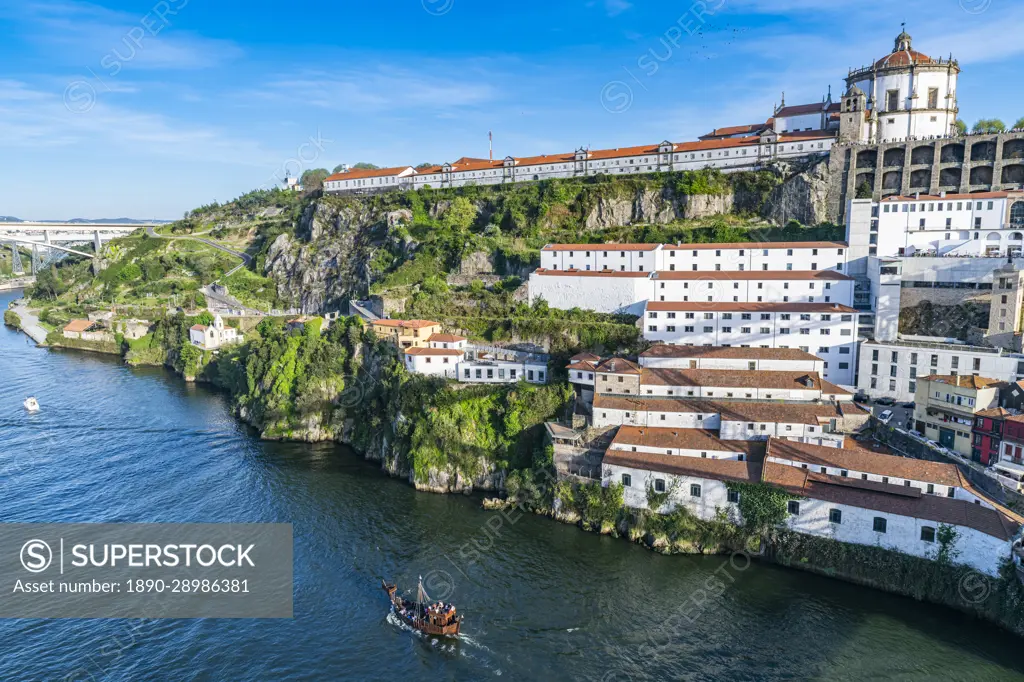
x=861 y=398
x=909 y=405
x=885 y=400
x=885 y=417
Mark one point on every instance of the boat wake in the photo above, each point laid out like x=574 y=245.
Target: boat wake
x=449 y=646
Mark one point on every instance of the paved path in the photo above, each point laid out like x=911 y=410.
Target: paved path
x=29 y=322
x=238 y=254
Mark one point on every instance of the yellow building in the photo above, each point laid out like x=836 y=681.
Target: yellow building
x=406 y=333
x=945 y=407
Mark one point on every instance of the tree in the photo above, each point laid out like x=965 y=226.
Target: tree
x=1019 y=125
x=362 y=165
x=961 y=127
x=864 y=190
x=431 y=165
x=313 y=179
x=989 y=125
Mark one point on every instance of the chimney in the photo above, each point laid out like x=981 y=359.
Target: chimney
x=942 y=194
x=917 y=195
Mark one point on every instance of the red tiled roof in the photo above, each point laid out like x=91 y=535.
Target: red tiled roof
x=963 y=381
x=685 y=439
x=601 y=247
x=591 y=273
x=731 y=378
x=433 y=351
x=866 y=461
x=78 y=325
x=359 y=173
x=618 y=366
x=903 y=58
x=732 y=353
x=717 y=469
x=198 y=327
x=757 y=412
x=445 y=338
x=734 y=130
x=800 y=110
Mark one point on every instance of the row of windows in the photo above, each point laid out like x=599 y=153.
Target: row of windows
x=702 y=253
x=783 y=331
x=954 y=362
x=912 y=207
x=804 y=317
x=879 y=524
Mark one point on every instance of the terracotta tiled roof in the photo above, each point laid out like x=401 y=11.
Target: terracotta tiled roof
x=601 y=247
x=994 y=413
x=800 y=110
x=592 y=273
x=585 y=357
x=78 y=325
x=964 y=381
x=445 y=338
x=903 y=58
x=716 y=469
x=752 y=275
x=359 y=174
x=729 y=307
x=451 y=352
x=618 y=366
x=734 y=130
x=730 y=353
x=583 y=365
x=198 y=327
x=685 y=439
x=867 y=462
x=729 y=378
x=889 y=499
x=787 y=413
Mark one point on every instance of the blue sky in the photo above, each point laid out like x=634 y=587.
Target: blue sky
x=148 y=109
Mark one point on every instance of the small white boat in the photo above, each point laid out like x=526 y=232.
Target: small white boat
x=31 y=404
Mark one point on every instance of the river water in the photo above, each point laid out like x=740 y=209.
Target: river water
x=543 y=601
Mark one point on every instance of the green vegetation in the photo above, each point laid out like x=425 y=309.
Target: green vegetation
x=961 y=127
x=989 y=125
x=11 y=319
x=313 y=179
x=763 y=507
x=1019 y=125
x=864 y=191
x=253 y=290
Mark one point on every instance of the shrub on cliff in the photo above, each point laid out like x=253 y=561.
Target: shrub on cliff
x=11 y=319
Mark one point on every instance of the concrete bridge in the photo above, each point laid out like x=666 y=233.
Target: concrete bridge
x=57 y=236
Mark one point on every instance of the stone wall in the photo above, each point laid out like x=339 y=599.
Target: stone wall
x=975 y=163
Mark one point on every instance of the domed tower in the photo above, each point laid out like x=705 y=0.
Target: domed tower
x=909 y=94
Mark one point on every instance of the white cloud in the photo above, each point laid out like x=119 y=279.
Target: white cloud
x=108 y=41
x=616 y=7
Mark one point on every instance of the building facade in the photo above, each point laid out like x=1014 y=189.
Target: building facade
x=946 y=408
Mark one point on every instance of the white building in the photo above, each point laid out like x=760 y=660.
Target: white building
x=979 y=224
x=212 y=337
x=683 y=443
x=433 y=361
x=905 y=94
x=775 y=286
x=746 y=256
x=825 y=330
x=738 y=153
x=604 y=292
x=498 y=371
x=818 y=423
x=841 y=494
x=892 y=369
x=734 y=358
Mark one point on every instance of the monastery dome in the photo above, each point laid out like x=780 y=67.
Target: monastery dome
x=903 y=54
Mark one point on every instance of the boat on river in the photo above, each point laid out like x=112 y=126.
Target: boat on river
x=432 y=618
x=31 y=404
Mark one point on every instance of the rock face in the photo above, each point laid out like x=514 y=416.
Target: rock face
x=804 y=194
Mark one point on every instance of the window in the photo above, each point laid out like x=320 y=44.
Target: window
x=927 y=533
x=892 y=100
x=879 y=524
x=659 y=485
x=835 y=516
x=793 y=507
x=694 y=490
x=627 y=480
x=733 y=496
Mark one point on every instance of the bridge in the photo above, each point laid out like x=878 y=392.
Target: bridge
x=56 y=236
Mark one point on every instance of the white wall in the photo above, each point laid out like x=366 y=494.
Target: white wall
x=432 y=365
x=611 y=294
x=501 y=372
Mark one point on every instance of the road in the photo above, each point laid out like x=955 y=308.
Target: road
x=902 y=417
x=29 y=322
x=237 y=254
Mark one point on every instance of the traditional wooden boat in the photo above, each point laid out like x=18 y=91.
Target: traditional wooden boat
x=432 y=618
